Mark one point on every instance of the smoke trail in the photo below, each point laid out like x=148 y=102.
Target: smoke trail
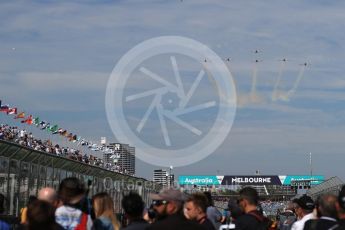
x=254 y=77
x=253 y=96
x=274 y=93
x=296 y=84
x=214 y=83
x=227 y=63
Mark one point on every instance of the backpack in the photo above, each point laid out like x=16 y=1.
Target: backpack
x=264 y=222
x=83 y=222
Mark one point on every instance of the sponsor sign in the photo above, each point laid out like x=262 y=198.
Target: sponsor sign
x=199 y=180
x=251 y=180
x=292 y=179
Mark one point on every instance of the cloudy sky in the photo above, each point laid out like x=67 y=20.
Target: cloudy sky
x=56 y=59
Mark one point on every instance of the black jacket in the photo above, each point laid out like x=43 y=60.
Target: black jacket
x=250 y=221
x=320 y=224
x=175 y=222
x=137 y=225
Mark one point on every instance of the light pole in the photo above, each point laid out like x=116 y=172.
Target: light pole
x=311 y=165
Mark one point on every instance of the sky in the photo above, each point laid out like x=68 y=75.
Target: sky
x=56 y=58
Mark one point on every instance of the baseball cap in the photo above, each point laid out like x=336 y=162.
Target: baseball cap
x=305 y=202
x=341 y=197
x=169 y=195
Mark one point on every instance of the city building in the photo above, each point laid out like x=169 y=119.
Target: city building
x=122 y=160
x=162 y=176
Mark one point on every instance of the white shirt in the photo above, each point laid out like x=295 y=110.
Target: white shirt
x=69 y=217
x=299 y=225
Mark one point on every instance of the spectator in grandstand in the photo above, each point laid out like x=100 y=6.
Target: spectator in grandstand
x=168 y=205
x=287 y=217
x=341 y=208
x=304 y=210
x=72 y=195
x=41 y=215
x=328 y=214
x=195 y=209
x=23 y=211
x=49 y=195
x=252 y=219
x=213 y=214
x=133 y=207
x=104 y=212
x=21 y=137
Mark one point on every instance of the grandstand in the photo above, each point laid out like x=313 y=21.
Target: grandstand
x=332 y=186
x=23 y=171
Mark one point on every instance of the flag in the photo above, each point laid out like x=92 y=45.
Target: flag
x=12 y=111
x=54 y=129
x=48 y=126
x=20 y=115
x=63 y=133
x=70 y=137
x=27 y=120
x=43 y=125
x=36 y=121
x=4 y=108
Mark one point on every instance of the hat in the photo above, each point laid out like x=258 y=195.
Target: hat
x=169 y=195
x=305 y=202
x=341 y=197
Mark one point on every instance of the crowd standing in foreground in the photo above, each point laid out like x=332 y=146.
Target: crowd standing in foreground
x=70 y=208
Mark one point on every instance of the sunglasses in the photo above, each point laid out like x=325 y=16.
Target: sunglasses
x=159 y=202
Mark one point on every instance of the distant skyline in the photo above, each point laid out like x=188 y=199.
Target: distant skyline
x=56 y=59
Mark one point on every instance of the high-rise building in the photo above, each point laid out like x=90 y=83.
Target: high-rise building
x=162 y=176
x=123 y=158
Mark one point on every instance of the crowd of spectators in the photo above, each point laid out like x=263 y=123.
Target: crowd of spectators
x=70 y=208
x=25 y=138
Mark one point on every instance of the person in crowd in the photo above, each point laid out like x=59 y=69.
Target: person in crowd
x=41 y=216
x=213 y=214
x=168 y=205
x=72 y=214
x=252 y=219
x=328 y=214
x=49 y=195
x=234 y=209
x=104 y=212
x=23 y=211
x=195 y=209
x=149 y=214
x=287 y=217
x=341 y=209
x=3 y=224
x=133 y=206
x=304 y=210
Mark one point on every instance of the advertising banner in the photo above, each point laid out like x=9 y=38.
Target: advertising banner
x=251 y=180
x=287 y=180
x=314 y=180
x=200 y=180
